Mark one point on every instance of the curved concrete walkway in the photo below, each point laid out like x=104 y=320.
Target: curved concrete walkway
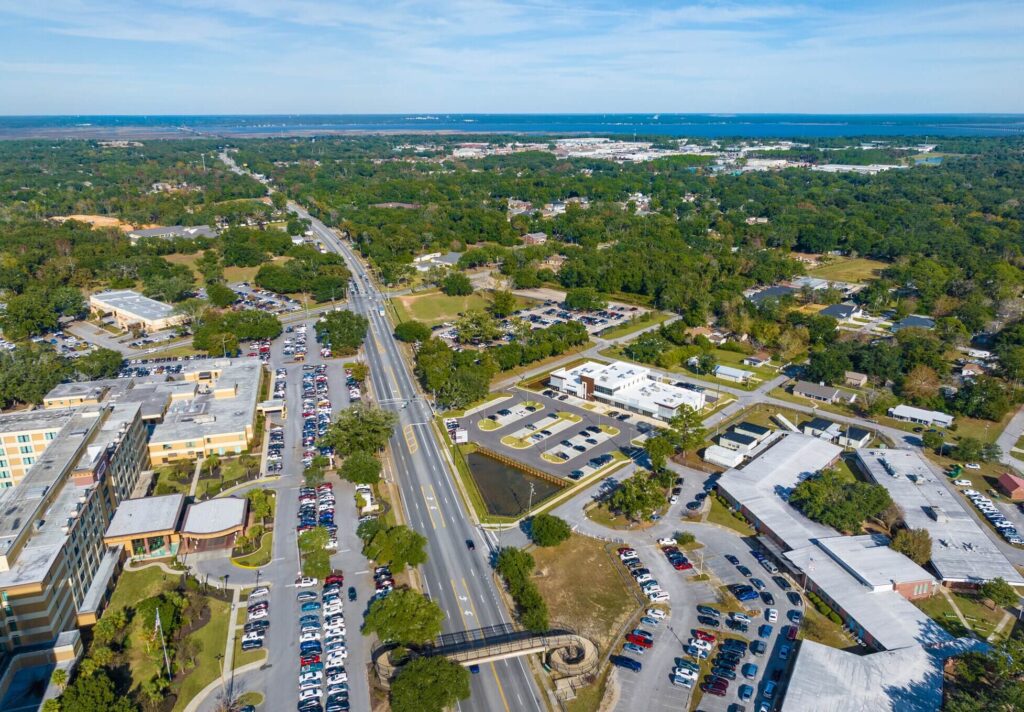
x=206 y=700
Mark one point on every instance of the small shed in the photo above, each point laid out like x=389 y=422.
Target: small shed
x=1012 y=486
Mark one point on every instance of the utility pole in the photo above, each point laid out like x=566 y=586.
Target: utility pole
x=529 y=508
x=159 y=626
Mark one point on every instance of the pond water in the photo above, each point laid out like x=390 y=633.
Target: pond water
x=505 y=489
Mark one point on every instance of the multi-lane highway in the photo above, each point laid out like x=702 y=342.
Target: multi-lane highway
x=457 y=578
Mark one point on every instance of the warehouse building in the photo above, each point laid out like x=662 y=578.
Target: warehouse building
x=132 y=310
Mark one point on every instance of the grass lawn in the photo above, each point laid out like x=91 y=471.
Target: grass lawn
x=939 y=610
x=820 y=629
x=579 y=581
x=978 y=615
x=260 y=557
x=589 y=698
x=760 y=375
x=188 y=260
x=251 y=698
x=435 y=307
x=491 y=397
x=244 y=657
x=719 y=514
x=184 y=349
x=231 y=471
x=165 y=481
x=211 y=637
x=855 y=269
x=635 y=324
x=135 y=586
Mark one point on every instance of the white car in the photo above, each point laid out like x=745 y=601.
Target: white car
x=699 y=644
x=644 y=578
x=656 y=613
x=972 y=493
x=962 y=483
x=305 y=582
x=313 y=693
x=772 y=615
x=658 y=597
x=309 y=637
x=312 y=676
x=667 y=541
x=740 y=618
x=972 y=466
x=261 y=613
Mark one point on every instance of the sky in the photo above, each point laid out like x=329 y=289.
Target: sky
x=506 y=56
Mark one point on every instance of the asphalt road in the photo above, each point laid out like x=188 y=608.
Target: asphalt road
x=458 y=579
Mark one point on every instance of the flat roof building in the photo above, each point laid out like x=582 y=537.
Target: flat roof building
x=24 y=436
x=54 y=570
x=129 y=308
x=172 y=231
x=827 y=679
x=147 y=527
x=729 y=373
x=823 y=394
x=627 y=386
x=214 y=524
x=212 y=410
x=961 y=552
x=761 y=487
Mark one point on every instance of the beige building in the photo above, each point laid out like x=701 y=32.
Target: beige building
x=55 y=572
x=23 y=438
x=212 y=410
x=131 y=309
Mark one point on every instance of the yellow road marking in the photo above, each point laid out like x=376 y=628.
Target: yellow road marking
x=410 y=439
x=501 y=690
x=440 y=514
x=427 y=501
x=461 y=613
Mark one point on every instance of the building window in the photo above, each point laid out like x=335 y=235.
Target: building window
x=51 y=436
x=26 y=449
x=3 y=463
x=27 y=460
x=24 y=439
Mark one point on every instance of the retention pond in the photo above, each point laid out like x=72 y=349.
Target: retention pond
x=506 y=489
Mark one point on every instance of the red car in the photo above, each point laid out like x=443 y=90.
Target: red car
x=704 y=635
x=716 y=691
x=639 y=640
x=682 y=566
x=308 y=660
x=791 y=633
x=670 y=549
x=334 y=578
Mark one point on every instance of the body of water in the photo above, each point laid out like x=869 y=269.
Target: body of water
x=506 y=490
x=696 y=125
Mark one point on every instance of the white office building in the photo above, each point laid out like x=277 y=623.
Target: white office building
x=626 y=386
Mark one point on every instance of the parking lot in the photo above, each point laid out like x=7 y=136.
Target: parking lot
x=534 y=438
x=251 y=297
x=549 y=313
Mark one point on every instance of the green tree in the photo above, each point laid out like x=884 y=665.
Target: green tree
x=314 y=539
x=456 y=284
x=934 y=441
x=59 y=677
x=476 y=326
x=637 y=496
x=503 y=303
x=316 y=564
x=398 y=546
x=585 y=299
x=51 y=705
x=915 y=544
x=830 y=500
x=26 y=315
x=360 y=428
x=101 y=363
x=969 y=449
x=359 y=371
x=549 y=530
x=343 y=330
x=412 y=331
x=95 y=693
x=686 y=429
x=1000 y=592
x=29 y=372
x=404 y=616
x=659 y=449
x=261 y=503
x=361 y=467
x=429 y=684
x=220 y=295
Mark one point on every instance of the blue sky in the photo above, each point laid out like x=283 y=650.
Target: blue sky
x=384 y=56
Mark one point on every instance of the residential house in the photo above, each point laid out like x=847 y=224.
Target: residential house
x=842 y=312
x=854 y=379
x=821 y=393
x=910 y=414
x=736 y=375
x=1012 y=486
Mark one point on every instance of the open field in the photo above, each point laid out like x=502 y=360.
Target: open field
x=644 y=321
x=99 y=221
x=210 y=638
x=582 y=588
x=435 y=307
x=855 y=269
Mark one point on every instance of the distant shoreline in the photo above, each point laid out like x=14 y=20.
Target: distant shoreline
x=706 y=126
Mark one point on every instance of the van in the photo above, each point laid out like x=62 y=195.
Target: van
x=770 y=567
x=625 y=662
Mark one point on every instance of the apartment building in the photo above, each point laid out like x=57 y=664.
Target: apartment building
x=55 y=571
x=23 y=438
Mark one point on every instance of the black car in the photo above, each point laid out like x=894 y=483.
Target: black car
x=352 y=595
x=470 y=545
x=709 y=621
x=782 y=583
x=732 y=559
x=794 y=598
x=768 y=598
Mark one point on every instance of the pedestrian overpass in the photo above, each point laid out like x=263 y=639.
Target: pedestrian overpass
x=568 y=653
